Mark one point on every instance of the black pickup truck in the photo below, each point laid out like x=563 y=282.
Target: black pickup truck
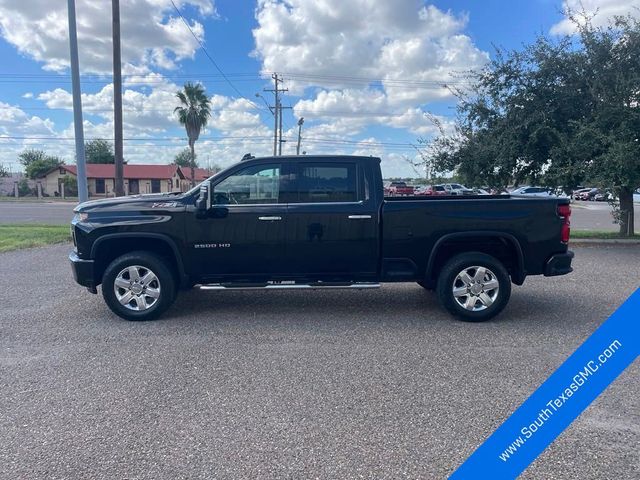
x=314 y=222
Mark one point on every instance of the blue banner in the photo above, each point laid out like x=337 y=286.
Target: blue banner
x=560 y=399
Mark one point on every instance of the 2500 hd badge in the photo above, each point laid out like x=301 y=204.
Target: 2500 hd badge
x=211 y=245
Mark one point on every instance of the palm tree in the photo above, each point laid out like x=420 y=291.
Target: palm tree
x=193 y=112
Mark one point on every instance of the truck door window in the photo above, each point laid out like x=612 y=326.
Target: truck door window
x=329 y=182
x=257 y=184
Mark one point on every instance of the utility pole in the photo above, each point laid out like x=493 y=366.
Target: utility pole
x=280 y=128
x=83 y=193
x=300 y=122
x=117 y=99
x=277 y=116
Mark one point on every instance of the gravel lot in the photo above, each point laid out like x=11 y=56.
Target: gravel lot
x=332 y=384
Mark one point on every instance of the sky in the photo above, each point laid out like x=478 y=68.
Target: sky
x=369 y=77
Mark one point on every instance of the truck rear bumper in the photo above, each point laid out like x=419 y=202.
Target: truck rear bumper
x=559 y=264
x=82 y=271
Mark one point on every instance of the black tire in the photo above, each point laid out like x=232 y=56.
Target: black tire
x=448 y=280
x=164 y=284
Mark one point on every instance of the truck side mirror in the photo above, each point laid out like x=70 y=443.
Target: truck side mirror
x=204 y=202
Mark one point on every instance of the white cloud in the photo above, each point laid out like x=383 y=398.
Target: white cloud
x=400 y=165
x=367 y=106
x=413 y=49
x=602 y=10
x=152 y=112
x=15 y=126
x=234 y=116
x=150 y=115
x=334 y=51
x=14 y=122
x=152 y=33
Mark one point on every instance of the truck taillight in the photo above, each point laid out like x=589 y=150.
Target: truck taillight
x=564 y=212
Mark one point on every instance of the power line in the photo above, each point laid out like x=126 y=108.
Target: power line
x=11 y=137
x=252 y=76
x=155 y=143
x=212 y=137
x=209 y=137
x=211 y=58
x=347 y=113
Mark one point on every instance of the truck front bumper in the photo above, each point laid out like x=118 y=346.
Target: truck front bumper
x=559 y=264
x=83 y=271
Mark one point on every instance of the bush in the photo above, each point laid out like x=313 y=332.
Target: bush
x=70 y=186
x=24 y=189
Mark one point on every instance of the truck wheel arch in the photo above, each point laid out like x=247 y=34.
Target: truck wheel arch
x=135 y=237
x=517 y=271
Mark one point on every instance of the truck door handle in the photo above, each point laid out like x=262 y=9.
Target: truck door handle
x=359 y=217
x=269 y=219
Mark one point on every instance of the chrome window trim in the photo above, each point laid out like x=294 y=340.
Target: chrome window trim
x=360 y=202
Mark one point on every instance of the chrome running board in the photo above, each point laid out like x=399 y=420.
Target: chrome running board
x=287 y=286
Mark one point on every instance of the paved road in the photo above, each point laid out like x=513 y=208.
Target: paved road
x=52 y=213
x=586 y=215
x=595 y=216
x=333 y=384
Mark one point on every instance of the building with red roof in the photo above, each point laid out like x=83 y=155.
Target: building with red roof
x=137 y=179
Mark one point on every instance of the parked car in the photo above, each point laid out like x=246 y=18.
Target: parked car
x=481 y=191
x=457 y=189
x=311 y=223
x=400 y=189
x=532 y=191
x=432 y=190
x=589 y=194
x=576 y=193
x=603 y=196
x=636 y=196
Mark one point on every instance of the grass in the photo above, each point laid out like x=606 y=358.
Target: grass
x=14 y=237
x=599 y=234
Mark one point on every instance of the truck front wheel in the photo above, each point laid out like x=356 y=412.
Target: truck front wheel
x=138 y=286
x=474 y=286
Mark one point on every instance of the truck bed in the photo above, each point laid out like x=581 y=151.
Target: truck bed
x=412 y=226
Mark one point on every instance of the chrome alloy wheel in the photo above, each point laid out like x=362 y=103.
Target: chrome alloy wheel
x=475 y=288
x=137 y=288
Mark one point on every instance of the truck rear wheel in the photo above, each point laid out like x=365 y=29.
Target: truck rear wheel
x=138 y=286
x=474 y=287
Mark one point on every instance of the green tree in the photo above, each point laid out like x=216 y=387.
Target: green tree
x=3 y=171
x=70 y=186
x=36 y=162
x=559 y=112
x=193 y=113
x=23 y=188
x=183 y=159
x=99 y=151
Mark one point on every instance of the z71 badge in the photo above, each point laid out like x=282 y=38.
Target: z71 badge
x=164 y=205
x=211 y=245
